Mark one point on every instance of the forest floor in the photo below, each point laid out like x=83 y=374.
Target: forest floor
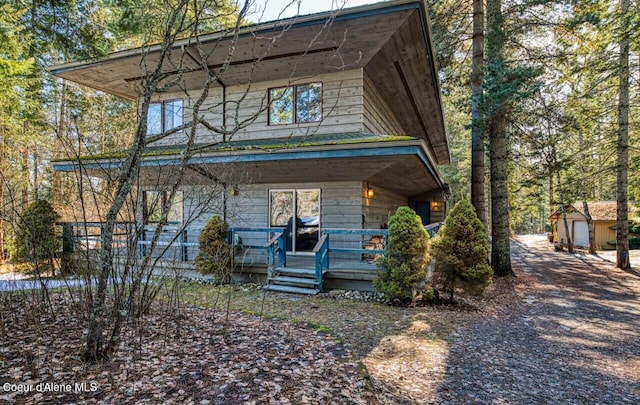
x=565 y=330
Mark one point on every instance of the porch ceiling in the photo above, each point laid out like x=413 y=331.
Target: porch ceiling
x=403 y=174
x=403 y=167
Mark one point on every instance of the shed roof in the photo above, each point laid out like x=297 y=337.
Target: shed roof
x=599 y=210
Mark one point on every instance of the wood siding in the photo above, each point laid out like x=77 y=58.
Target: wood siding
x=246 y=109
x=561 y=231
x=342 y=204
x=378 y=118
x=377 y=210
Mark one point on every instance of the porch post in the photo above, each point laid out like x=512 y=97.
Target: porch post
x=185 y=248
x=141 y=241
x=67 y=237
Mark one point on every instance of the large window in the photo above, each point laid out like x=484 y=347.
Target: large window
x=295 y=104
x=155 y=203
x=164 y=116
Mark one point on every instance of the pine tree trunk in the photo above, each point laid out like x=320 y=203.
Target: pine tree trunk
x=622 y=166
x=592 y=235
x=567 y=231
x=563 y=209
x=478 y=197
x=500 y=248
x=25 y=179
x=554 y=232
x=2 y=168
x=498 y=145
x=36 y=180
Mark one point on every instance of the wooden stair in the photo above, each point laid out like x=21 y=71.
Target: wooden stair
x=292 y=280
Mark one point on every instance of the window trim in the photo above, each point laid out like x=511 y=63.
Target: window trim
x=162 y=104
x=294 y=104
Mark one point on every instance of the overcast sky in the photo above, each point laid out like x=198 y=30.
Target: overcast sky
x=269 y=10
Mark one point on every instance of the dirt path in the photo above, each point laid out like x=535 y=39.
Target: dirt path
x=573 y=338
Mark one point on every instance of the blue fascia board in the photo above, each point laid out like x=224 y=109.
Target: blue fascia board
x=287 y=155
x=161 y=161
x=427 y=163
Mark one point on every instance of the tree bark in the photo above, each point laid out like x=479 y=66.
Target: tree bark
x=592 y=235
x=622 y=165
x=36 y=180
x=478 y=197
x=2 y=168
x=498 y=144
x=567 y=231
x=563 y=209
x=500 y=243
x=24 y=153
x=554 y=232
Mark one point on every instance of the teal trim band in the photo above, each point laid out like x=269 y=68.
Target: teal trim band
x=284 y=155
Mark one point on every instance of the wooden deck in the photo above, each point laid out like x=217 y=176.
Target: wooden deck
x=348 y=262
x=344 y=274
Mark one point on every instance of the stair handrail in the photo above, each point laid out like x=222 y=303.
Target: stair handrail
x=321 y=252
x=276 y=248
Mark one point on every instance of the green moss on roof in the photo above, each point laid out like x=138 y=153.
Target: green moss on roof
x=261 y=145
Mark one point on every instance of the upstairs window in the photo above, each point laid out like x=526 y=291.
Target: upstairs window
x=295 y=104
x=164 y=116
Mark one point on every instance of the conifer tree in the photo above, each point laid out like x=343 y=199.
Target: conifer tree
x=460 y=251
x=36 y=239
x=403 y=266
x=214 y=256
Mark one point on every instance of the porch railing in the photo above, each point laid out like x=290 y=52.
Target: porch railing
x=432 y=229
x=275 y=246
x=358 y=242
x=88 y=235
x=266 y=245
x=171 y=237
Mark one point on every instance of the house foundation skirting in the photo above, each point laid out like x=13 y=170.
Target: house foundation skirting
x=343 y=278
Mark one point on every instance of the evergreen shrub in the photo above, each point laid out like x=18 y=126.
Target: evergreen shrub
x=461 y=252
x=402 y=270
x=215 y=255
x=36 y=238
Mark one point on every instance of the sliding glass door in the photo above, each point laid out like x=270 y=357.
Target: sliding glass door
x=301 y=230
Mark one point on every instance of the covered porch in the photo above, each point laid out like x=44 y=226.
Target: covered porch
x=302 y=214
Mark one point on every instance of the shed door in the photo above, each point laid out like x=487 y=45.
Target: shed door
x=580 y=234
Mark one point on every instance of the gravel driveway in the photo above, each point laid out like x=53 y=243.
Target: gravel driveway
x=573 y=338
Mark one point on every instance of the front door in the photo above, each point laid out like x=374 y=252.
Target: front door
x=303 y=229
x=422 y=209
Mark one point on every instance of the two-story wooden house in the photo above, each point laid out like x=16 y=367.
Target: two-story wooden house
x=336 y=125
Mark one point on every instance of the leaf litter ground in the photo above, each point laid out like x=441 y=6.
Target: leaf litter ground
x=554 y=334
